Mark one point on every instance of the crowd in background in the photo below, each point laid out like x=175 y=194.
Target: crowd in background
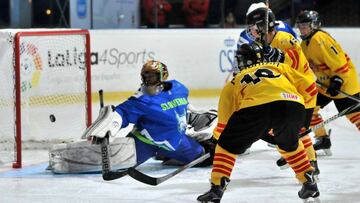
x=231 y=13
x=195 y=13
x=210 y=13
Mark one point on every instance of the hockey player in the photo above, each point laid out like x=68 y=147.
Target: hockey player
x=159 y=114
x=267 y=96
x=284 y=40
x=250 y=33
x=333 y=67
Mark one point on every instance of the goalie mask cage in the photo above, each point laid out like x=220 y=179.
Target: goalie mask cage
x=45 y=91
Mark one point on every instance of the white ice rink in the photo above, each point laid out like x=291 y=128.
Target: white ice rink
x=255 y=178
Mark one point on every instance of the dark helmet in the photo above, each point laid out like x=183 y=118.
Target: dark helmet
x=257 y=17
x=248 y=55
x=153 y=74
x=311 y=17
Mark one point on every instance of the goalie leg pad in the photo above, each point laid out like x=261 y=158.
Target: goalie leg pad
x=84 y=157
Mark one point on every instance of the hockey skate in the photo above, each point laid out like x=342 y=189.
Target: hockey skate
x=282 y=164
x=309 y=192
x=323 y=143
x=215 y=193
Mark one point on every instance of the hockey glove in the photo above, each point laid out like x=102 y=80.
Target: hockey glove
x=273 y=54
x=335 y=85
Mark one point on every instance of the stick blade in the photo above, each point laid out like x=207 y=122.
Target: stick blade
x=112 y=175
x=354 y=108
x=137 y=175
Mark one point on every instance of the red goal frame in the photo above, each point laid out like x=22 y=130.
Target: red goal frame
x=18 y=132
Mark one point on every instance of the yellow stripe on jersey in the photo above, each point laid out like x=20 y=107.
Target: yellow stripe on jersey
x=327 y=59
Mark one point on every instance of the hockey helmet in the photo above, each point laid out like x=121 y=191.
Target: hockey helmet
x=256 y=16
x=248 y=55
x=153 y=74
x=310 y=19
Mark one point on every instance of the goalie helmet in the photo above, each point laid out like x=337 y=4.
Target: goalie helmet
x=248 y=55
x=308 y=19
x=153 y=75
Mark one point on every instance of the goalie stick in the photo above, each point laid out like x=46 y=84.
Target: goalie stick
x=107 y=174
x=351 y=109
x=139 y=176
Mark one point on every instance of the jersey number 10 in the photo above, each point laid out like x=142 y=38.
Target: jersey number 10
x=260 y=73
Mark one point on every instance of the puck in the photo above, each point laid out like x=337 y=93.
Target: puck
x=52 y=118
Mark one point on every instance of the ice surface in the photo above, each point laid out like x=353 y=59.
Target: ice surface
x=255 y=177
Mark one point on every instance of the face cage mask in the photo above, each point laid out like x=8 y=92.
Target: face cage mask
x=250 y=30
x=151 y=83
x=151 y=90
x=305 y=25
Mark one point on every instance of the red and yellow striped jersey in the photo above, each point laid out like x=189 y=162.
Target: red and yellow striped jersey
x=327 y=59
x=294 y=57
x=225 y=107
x=261 y=84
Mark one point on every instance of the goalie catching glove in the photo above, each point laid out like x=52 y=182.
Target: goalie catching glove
x=108 y=121
x=201 y=124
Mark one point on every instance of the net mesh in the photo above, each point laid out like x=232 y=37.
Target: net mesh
x=53 y=92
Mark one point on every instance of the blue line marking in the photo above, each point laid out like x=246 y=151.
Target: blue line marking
x=38 y=171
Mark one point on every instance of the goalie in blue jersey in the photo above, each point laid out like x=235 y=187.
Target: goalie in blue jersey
x=165 y=125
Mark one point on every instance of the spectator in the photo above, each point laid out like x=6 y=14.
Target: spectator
x=230 y=21
x=163 y=7
x=196 y=12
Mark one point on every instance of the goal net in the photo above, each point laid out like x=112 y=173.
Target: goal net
x=45 y=91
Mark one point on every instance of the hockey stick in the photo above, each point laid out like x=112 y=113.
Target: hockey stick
x=351 y=109
x=340 y=92
x=139 y=176
x=107 y=174
x=266 y=29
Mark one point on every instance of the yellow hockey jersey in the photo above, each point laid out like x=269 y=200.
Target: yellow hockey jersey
x=284 y=41
x=225 y=107
x=327 y=59
x=260 y=84
x=294 y=57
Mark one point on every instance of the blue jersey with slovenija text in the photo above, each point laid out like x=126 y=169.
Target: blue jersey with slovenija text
x=160 y=119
